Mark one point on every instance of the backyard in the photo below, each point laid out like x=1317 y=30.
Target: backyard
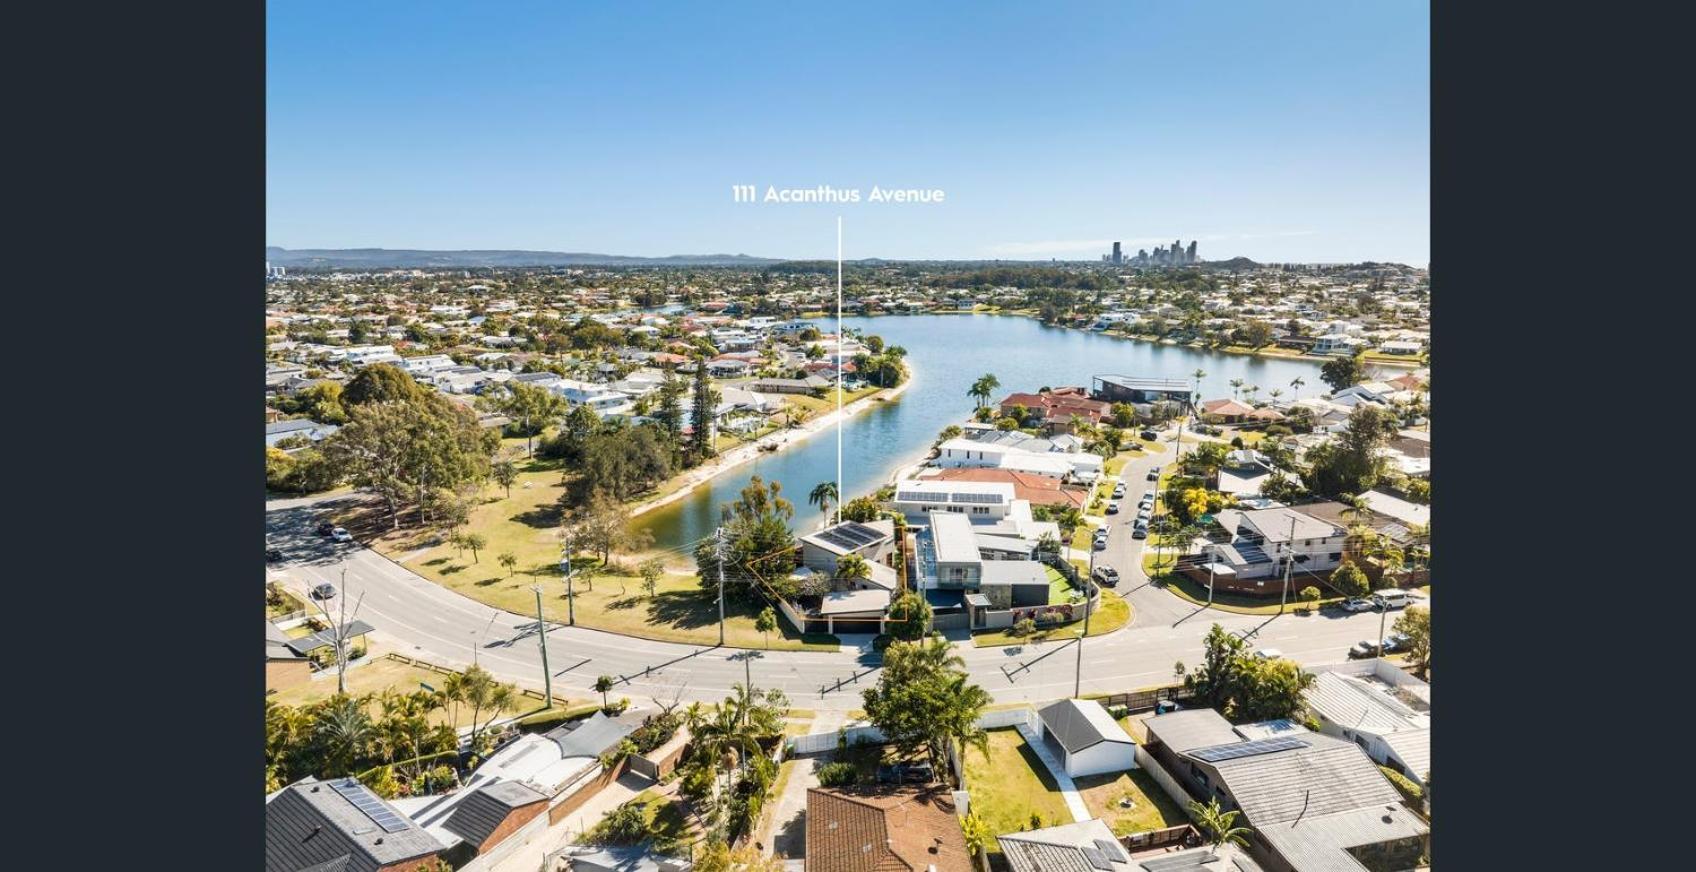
x=1112 y=614
x=1130 y=802
x=667 y=827
x=1011 y=785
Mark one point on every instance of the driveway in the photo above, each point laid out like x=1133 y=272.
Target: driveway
x=786 y=835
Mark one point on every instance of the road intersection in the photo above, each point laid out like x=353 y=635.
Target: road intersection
x=419 y=618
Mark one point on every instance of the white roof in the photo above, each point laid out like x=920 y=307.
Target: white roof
x=960 y=492
x=853 y=601
x=955 y=540
x=1396 y=507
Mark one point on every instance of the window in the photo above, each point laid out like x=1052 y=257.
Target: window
x=1336 y=555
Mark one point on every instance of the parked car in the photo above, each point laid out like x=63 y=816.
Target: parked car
x=272 y=555
x=1101 y=544
x=1145 y=513
x=1112 y=508
x=340 y=534
x=1358 y=604
x=1397 y=642
x=324 y=591
x=325 y=528
x=1363 y=649
x=1154 y=474
x=1106 y=575
x=908 y=773
x=1119 y=490
x=1391 y=598
x=1150 y=435
x=1268 y=653
x=1139 y=532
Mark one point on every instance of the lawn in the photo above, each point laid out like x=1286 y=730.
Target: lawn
x=385 y=674
x=1112 y=614
x=1150 y=808
x=1196 y=592
x=1011 y=785
x=286 y=604
x=668 y=827
x=526 y=525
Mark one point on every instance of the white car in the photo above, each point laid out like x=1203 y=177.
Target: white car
x=340 y=534
x=1358 y=604
x=1269 y=653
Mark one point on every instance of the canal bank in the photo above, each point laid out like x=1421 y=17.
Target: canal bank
x=946 y=353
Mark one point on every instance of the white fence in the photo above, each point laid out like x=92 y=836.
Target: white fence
x=1165 y=779
x=817 y=743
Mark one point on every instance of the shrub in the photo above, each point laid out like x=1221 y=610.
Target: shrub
x=1410 y=792
x=1023 y=627
x=837 y=774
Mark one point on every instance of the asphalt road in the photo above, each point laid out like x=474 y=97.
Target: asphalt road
x=415 y=616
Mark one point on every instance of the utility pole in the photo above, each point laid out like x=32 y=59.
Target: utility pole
x=542 y=636
x=839 y=338
x=1212 y=559
x=1289 y=565
x=570 y=593
x=718 y=557
x=1078 y=683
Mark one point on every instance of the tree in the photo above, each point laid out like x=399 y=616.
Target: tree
x=923 y=700
x=850 y=567
x=1342 y=372
x=984 y=388
x=718 y=856
x=533 y=408
x=765 y=623
x=1311 y=595
x=507 y=560
x=477 y=688
x=475 y=542
x=408 y=450
x=1218 y=825
x=603 y=685
x=651 y=571
x=1353 y=462
x=824 y=495
x=621 y=464
x=669 y=413
x=382 y=383
x=505 y=473
x=759 y=550
x=1415 y=623
x=1296 y=385
x=705 y=400
x=860 y=509
x=1216 y=678
x=909 y=616
x=976 y=832
x=1348 y=579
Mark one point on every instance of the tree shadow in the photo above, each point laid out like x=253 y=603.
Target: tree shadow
x=687 y=610
x=544 y=517
x=486 y=582
x=450 y=570
x=436 y=561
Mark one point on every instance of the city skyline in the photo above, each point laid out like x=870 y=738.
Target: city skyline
x=1274 y=134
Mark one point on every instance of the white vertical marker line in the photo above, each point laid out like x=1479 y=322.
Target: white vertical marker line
x=839 y=340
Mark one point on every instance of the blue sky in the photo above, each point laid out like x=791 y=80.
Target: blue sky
x=1280 y=131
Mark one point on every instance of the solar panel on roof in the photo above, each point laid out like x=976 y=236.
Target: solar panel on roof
x=367 y=802
x=1181 y=861
x=1248 y=749
x=1110 y=849
x=1097 y=859
x=975 y=498
x=914 y=496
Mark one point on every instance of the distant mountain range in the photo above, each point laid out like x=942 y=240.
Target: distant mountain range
x=407 y=258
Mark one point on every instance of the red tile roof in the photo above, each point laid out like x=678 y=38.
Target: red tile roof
x=903 y=829
x=1041 y=490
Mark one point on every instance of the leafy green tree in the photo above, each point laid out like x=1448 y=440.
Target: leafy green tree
x=475 y=542
x=860 y=509
x=909 y=616
x=1415 y=623
x=651 y=571
x=669 y=413
x=1349 y=579
x=824 y=495
x=1310 y=595
x=382 y=383
x=508 y=561
x=851 y=567
x=924 y=701
x=1218 y=825
x=532 y=408
x=622 y=464
x=1342 y=372
x=765 y=623
x=603 y=685
x=1354 y=461
x=759 y=550
x=505 y=474
x=705 y=400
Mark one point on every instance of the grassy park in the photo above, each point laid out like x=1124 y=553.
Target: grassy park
x=386 y=674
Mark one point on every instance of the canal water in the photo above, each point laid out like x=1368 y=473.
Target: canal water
x=946 y=353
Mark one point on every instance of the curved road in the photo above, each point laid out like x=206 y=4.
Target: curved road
x=417 y=617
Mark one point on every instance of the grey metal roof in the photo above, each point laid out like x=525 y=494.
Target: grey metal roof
x=1414 y=749
x=311 y=826
x=1081 y=723
x=590 y=737
x=1318 y=843
x=477 y=816
x=1326 y=776
x=327 y=638
x=1061 y=848
x=1188 y=729
x=1274 y=525
x=1013 y=572
x=1359 y=704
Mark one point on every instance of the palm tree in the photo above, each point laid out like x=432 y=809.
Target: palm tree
x=793 y=415
x=1218 y=825
x=1275 y=393
x=346 y=729
x=1296 y=383
x=1236 y=386
x=982 y=389
x=603 y=684
x=824 y=495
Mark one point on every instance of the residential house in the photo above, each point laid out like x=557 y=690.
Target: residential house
x=311 y=430
x=1378 y=706
x=1091 y=846
x=1262 y=543
x=884 y=829
x=284 y=666
x=428 y=364
x=1316 y=803
x=1089 y=740
x=312 y=826
x=1134 y=390
x=1054 y=409
x=1034 y=488
x=790 y=385
x=1225 y=411
x=1336 y=343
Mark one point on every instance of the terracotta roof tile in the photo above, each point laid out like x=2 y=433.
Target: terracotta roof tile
x=905 y=829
